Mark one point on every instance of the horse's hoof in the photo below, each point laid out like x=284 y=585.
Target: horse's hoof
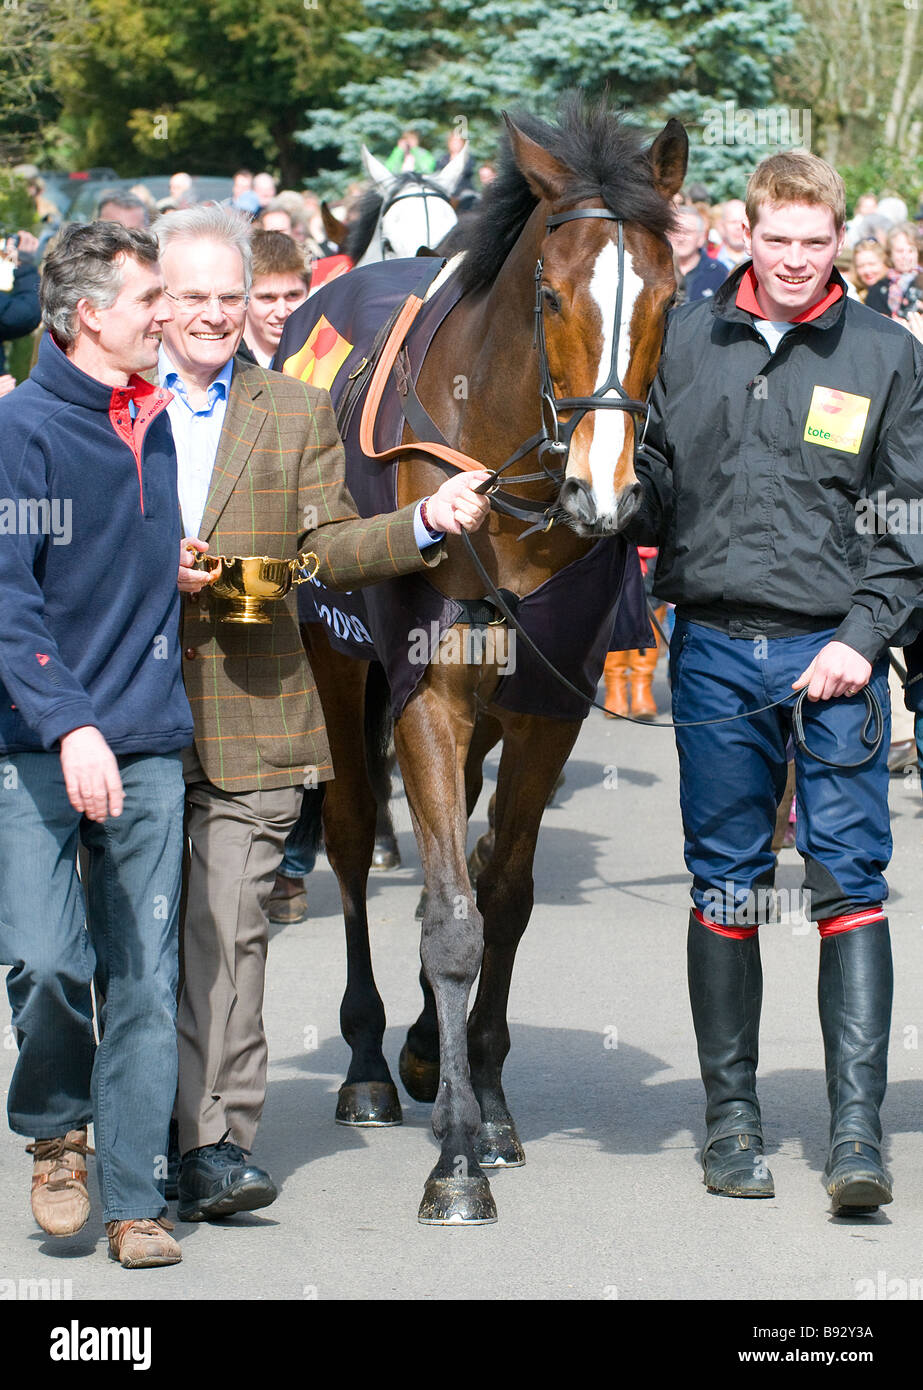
x=420 y=1078
x=421 y=905
x=386 y=854
x=369 y=1104
x=498 y=1146
x=457 y=1202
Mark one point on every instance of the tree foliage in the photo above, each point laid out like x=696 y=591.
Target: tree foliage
x=457 y=64
x=33 y=35
x=859 y=67
x=208 y=85
x=298 y=85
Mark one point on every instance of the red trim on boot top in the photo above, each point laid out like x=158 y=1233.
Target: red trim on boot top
x=849 y=921
x=738 y=933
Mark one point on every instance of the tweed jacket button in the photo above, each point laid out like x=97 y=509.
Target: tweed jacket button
x=189 y=653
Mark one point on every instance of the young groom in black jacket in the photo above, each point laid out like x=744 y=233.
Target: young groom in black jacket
x=785 y=445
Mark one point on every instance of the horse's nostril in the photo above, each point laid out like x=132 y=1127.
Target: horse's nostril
x=577 y=498
x=628 y=503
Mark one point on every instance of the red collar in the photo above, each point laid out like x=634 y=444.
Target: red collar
x=139 y=388
x=747 y=300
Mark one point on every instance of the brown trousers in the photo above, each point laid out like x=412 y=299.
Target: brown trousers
x=235 y=843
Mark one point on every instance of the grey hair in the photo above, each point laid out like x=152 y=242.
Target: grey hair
x=85 y=261
x=119 y=199
x=209 y=222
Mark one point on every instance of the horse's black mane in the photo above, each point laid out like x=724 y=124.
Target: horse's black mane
x=363 y=225
x=608 y=160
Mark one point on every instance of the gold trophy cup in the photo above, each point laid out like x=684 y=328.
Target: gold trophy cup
x=247 y=583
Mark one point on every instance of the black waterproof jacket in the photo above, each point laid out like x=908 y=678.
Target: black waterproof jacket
x=785 y=489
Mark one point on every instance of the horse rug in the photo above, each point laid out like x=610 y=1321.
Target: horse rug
x=592 y=606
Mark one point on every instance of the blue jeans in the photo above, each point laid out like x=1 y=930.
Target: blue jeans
x=301 y=846
x=62 y=1080
x=732 y=776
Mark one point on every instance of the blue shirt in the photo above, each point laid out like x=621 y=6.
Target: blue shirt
x=195 y=435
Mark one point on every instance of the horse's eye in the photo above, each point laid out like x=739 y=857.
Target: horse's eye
x=551 y=299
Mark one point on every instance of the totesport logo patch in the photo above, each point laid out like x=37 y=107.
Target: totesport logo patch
x=836 y=419
x=321 y=357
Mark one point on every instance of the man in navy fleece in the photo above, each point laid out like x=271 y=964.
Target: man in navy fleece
x=93 y=717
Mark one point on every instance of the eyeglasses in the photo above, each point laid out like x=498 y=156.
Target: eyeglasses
x=230 y=303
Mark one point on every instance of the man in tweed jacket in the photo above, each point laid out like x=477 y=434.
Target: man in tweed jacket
x=260 y=472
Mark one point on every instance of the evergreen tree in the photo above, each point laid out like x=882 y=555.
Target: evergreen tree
x=209 y=85
x=458 y=65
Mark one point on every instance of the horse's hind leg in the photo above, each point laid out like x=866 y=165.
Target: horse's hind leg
x=432 y=737
x=534 y=752
x=419 y=1060
x=381 y=761
x=368 y=1096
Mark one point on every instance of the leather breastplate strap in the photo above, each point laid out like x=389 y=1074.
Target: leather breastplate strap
x=442 y=453
x=422 y=424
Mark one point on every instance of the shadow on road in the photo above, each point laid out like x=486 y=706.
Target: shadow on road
x=566 y=1084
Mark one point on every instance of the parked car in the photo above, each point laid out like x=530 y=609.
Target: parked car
x=61 y=188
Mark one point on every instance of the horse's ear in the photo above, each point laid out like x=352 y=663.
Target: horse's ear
x=447 y=177
x=379 y=173
x=669 y=157
x=546 y=176
x=336 y=230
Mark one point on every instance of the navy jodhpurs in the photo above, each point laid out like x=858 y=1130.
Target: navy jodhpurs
x=732 y=777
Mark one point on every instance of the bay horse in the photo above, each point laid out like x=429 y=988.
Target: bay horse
x=399 y=214
x=565 y=288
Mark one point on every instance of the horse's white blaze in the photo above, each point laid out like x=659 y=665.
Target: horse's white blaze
x=610 y=426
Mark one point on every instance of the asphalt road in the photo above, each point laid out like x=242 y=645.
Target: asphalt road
x=602 y=1079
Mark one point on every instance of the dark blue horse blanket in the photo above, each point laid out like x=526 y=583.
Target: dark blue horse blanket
x=594 y=605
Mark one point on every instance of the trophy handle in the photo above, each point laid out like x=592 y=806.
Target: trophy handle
x=300 y=565
x=209 y=563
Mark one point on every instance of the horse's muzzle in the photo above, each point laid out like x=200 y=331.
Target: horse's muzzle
x=577 y=501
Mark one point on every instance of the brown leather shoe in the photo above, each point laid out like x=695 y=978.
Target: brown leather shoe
x=60 y=1200
x=143 y=1243
x=288 y=901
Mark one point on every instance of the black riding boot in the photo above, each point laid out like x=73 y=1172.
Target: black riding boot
x=854 y=990
x=726 y=993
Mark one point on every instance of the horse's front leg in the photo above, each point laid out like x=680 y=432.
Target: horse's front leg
x=419 y=1062
x=432 y=738
x=534 y=752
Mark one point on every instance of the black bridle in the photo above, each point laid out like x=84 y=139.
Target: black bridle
x=559 y=440
x=410 y=185
x=555 y=436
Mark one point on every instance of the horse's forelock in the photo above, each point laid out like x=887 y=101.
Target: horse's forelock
x=607 y=159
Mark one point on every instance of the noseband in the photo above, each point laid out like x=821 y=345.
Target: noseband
x=418 y=187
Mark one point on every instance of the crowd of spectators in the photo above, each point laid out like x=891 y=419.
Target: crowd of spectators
x=880 y=260
x=292 y=214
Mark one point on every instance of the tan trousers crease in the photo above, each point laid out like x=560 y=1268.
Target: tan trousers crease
x=236 y=843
